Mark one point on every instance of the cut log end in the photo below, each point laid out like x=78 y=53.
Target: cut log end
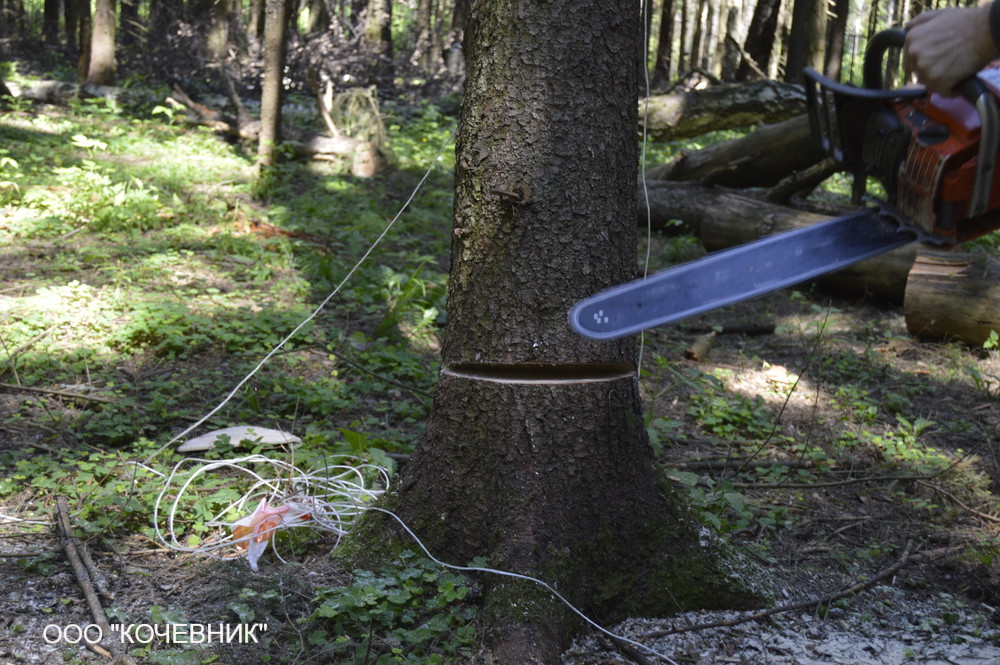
x=952 y=296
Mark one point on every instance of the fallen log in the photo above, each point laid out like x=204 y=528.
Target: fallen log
x=364 y=158
x=953 y=296
x=762 y=158
x=683 y=115
x=723 y=218
x=59 y=92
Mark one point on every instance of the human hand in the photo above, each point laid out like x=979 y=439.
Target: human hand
x=945 y=46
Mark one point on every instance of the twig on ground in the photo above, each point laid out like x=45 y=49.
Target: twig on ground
x=14 y=555
x=59 y=393
x=809 y=602
x=83 y=579
x=967 y=508
x=830 y=483
x=629 y=651
x=750 y=330
x=95 y=573
x=726 y=463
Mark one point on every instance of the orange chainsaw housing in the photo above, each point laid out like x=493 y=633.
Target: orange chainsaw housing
x=936 y=177
x=923 y=148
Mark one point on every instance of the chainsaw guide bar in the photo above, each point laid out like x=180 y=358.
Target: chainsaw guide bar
x=738 y=273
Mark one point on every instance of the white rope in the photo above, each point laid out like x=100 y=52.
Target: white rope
x=642 y=168
x=314 y=313
x=331 y=497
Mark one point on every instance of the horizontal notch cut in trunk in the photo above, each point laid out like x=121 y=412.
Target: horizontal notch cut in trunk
x=541 y=372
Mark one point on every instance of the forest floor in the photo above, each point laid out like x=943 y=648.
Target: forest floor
x=142 y=276
x=879 y=555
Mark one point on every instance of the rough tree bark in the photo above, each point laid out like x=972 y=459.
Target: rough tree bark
x=686 y=114
x=535 y=455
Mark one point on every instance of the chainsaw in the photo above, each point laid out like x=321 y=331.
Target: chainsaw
x=934 y=155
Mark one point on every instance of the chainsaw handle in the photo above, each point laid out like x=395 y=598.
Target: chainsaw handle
x=973 y=89
x=877 y=46
x=982 y=98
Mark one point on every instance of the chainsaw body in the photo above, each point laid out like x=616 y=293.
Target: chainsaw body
x=934 y=155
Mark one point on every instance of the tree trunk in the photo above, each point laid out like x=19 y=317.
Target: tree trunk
x=683 y=52
x=953 y=296
x=686 y=114
x=698 y=35
x=535 y=455
x=424 y=53
x=12 y=16
x=275 y=25
x=724 y=219
x=131 y=28
x=807 y=40
x=378 y=27
x=50 y=21
x=760 y=38
x=319 y=17
x=760 y=159
x=836 y=35
x=730 y=47
x=217 y=37
x=101 y=67
x=71 y=22
x=454 y=58
x=662 y=68
x=710 y=50
x=162 y=15
x=255 y=23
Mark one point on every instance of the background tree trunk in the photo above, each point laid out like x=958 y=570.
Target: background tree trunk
x=730 y=47
x=131 y=28
x=319 y=17
x=535 y=455
x=663 y=65
x=275 y=26
x=255 y=23
x=807 y=40
x=760 y=38
x=50 y=21
x=162 y=15
x=378 y=27
x=217 y=37
x=101 y=68
x=426 y=54
x=836 y=36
